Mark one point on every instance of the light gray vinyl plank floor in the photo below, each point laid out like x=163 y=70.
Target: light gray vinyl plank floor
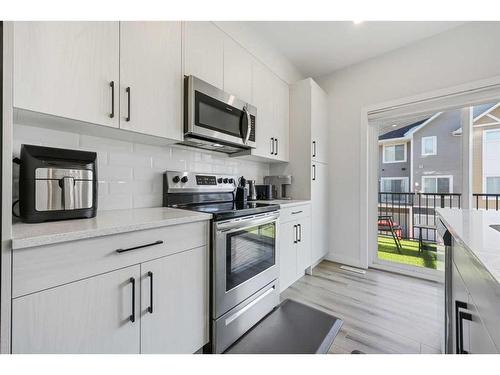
x=382 y=312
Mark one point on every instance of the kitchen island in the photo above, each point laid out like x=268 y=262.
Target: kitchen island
x=473 y=280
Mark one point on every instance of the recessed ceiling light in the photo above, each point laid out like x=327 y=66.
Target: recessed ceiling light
x=357 y=22
x=394 y=125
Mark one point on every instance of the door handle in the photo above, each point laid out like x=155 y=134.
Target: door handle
x=314 y=149
x=119 y=251
x=132 y=316
x=300 y=232
x=276 y=151
x=314 y=172
x=458 y=326
x=150 y=308
x=295 y=235
x=272 y=146
x=128 y=104
x=112 y=85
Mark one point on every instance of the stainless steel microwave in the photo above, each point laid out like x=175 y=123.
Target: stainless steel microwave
x=215 y=120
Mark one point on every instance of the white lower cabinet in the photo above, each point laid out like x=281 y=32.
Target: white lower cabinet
x=158 y=306
x=295 y=250
x=87 y=316
x=174 y=306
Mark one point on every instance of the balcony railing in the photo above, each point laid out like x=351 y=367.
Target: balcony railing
x=416 y=212
x=487 y=201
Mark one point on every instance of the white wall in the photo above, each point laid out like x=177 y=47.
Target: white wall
x=131 y=174
x=464 y=54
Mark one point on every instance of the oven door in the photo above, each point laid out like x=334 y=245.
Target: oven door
x=245 y=259
x=219 y=116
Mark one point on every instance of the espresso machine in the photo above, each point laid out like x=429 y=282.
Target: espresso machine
x=280 y=185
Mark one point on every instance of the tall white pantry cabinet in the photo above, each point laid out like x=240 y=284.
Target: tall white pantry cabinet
x=309 y=158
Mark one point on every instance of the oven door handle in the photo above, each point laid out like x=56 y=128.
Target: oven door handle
x=244 y=224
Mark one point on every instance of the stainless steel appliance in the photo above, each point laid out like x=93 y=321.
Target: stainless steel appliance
x=444 y=239
x=244 y=243
x=216 y=120
x=56 y=184
x=252 y=192
x=279 y=185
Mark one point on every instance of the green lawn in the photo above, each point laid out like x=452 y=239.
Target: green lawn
x=409 y=253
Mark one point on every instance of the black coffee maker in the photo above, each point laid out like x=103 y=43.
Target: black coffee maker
x=241 y=191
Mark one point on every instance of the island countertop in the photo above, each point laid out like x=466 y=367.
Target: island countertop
x=105 y=223
x=472 y=229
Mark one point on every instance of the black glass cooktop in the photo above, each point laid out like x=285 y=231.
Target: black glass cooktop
x=229 y=210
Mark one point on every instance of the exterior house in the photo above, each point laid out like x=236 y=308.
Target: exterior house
x=486 y=152
x=422 y=157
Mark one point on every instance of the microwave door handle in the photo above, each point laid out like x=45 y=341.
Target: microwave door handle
x=249 y=127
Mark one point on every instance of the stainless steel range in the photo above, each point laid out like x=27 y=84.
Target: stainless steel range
x=243 y=251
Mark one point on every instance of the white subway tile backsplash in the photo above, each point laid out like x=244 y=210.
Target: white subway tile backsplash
x=114 y=173
x=148 y=200
x=91 y=143
x=129 y=159
x=131 y=174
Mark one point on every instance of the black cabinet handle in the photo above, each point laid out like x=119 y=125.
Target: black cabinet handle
x=139 y=247
x=458 y=326
x=314 y=149
x=314 y=172
x=132 y=317
x=150 y=308
x=296 y=212
x=276 y=151
x=467 y=316
x=295 y=236
x=112 y=85
x=272 y=146
x=128 y=104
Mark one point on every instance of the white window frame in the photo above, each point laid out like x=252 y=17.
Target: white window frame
x=485 y=175
x=394 y=144
x=449 y=177
x=434 y=145
x=382 y=179
x=485 y=185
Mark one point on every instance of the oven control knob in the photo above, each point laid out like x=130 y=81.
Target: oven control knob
x=184 y=179
x=231 y=180
x=219 y=180
x=176 y=179
x=226 y=180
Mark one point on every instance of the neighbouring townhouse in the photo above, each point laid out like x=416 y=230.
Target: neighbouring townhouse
x=426 y=156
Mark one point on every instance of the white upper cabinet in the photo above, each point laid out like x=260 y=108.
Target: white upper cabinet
x=67 y=69
x=281 y=119
x=319 y=124
x=237 y=70
x=204 y=52
x=151 y=78
x=271 y=97
x=262 y=98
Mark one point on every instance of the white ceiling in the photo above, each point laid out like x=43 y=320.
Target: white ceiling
x=319 y=47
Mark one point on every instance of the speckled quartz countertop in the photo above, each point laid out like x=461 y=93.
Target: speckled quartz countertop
x=472 y=229
x=105 y=223
x=286 y=202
